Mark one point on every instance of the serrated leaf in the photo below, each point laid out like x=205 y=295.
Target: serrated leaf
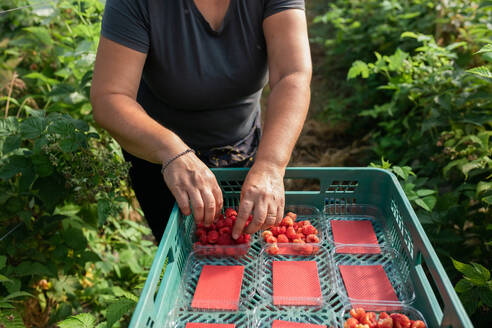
x=32 y=127
x=484 y=49
x=83 y=320
x=463 y=286
x=484 y=186
x=103 y=210
x=11 y=143
x=482 y=71
x=475 y=273
x=117 y=310
x=8 y=126
x=16 y=295
x=11 y=319
x=358 y=68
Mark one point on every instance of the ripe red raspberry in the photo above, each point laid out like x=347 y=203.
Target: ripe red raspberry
x=385 y=322
x=225 y=239
x=282 y=230
x=370 y=320
x=230 y=212
x=220 y=223
x=225 y=231
x=212 y=236
x=275 y=231
x=282 y=238
x=271 y=240
x=228 y=222
x=308 y=230
x=291 y=233
x=292 y=215
x=400 y=320
x=287 y=222
x=266 y=234
x=305 y=223
x=358 y=313
x=312 y=239
x=383 y=315
x=418 y=324
x=273 y=249
x=350 y=323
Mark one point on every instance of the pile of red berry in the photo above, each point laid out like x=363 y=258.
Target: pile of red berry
x=290 y=231
x=362 y=319
x=219 y=233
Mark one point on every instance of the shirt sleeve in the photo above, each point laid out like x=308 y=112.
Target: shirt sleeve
x=275 y=6
x=127 y=22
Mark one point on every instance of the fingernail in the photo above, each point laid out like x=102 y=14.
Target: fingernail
x=235 y=236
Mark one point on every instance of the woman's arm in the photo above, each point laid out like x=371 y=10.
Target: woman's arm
x=290 y=69
x=115 y=83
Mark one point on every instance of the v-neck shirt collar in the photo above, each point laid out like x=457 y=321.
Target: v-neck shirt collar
x=206 y=24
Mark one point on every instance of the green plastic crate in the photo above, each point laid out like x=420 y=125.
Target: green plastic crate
x=340 y=189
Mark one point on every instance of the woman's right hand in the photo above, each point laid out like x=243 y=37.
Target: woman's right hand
x=190 y=180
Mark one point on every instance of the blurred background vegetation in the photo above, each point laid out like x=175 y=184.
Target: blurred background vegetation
x=403 y=85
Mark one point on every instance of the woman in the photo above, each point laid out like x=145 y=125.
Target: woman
x=178 y=82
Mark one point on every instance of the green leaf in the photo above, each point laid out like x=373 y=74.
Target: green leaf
x=456 y=163
x=484 y=49
x=117 y=310
x=40 y=33
x=11 y=319
x=16 y=295
x=420 y=202
x=29 y=268
x=484 y=186
x=4 y=278
x=51 y=190
x=481 y=71
x=83 y=320
x=425 y=192
x=32 y=127
x=41 y=77
x=486 y=295
x=3 y=261
x=475 y=273
x=463 y=286
x=358 y=68
x=487 y=200
x=74 y=238
x=42 y=165
x=15 y=164
x=8 y=126
x=11 y=143
x=103 y=210
x=396 y=60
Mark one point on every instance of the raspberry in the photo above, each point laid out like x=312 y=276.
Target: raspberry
x=292 y=215
x=418 y=324
x=383 y=315
x=212 y=236
x=199 y=232
x=358 y=313
x=203 y=238
x=225 y=231
x=305 y=223
x=274 y=249
x=309 y=230
x=298 y=241
x=225 y=239
x=287 y=222
x=266 y=234
x=247 y=237
x=282 y=230
x=312 y=239
x=350 y=323
x=250 y=218
x=282 y=238
x=369 y=319
x=400 y=320
x=271 y=240
x=241 y=239
x=362 y=326
x=291 y=233
x=300 y=236
x=385 y=322
x=228 y=222
x=230 y=212
x=275 y=231
x=299 y=230
x=220 y=224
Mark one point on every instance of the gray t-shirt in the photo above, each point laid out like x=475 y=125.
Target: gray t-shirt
x=204 y=85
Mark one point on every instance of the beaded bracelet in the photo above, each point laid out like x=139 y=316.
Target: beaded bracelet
x=169 y=161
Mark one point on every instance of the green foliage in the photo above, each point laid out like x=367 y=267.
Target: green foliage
x=475 y=289
x=416 y=77
x=63 y=183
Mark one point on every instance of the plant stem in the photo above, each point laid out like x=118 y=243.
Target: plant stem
x=11 y=87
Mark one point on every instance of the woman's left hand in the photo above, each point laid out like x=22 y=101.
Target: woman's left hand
x=262 y=195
